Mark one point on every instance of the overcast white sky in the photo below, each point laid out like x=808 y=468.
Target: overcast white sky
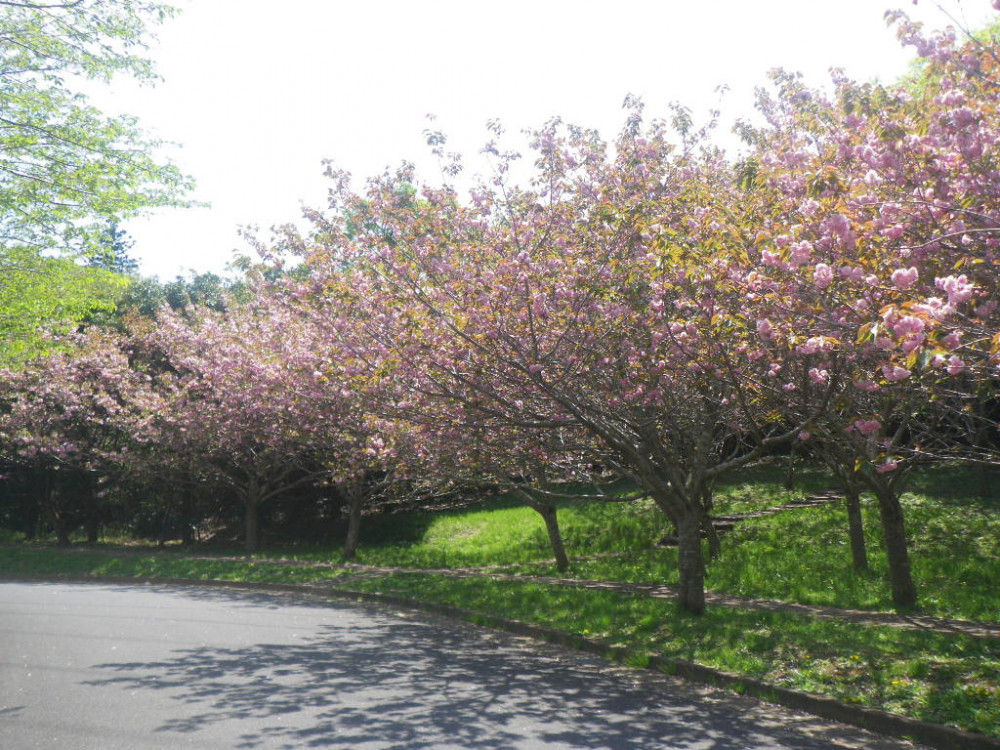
x=258 y=92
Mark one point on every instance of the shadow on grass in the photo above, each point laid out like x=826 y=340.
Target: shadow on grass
x=956 y=484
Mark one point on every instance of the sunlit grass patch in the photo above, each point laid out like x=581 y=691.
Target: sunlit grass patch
x=803 y=555
x=90 y=563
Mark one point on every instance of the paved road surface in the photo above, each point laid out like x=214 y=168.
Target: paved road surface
x=108 y=667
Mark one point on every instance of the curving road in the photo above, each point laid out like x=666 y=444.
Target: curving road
x=133 y=667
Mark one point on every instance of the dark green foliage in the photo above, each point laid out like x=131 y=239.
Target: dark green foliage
x=112 y=252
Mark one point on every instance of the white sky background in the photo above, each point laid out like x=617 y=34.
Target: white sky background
x=258 y=92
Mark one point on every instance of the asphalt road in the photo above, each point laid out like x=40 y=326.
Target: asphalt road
x=146 y=666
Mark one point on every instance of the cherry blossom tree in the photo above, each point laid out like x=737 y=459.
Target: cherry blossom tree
x=685 y=321
x=75 y=413
x=878 y=260
x=255 y=404
x=597 y=302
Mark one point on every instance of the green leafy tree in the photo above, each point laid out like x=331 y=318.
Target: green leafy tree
x=67 y=171
x=114 y=255
x=42 y=298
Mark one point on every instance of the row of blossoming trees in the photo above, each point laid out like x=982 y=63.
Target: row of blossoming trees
x=646 y=310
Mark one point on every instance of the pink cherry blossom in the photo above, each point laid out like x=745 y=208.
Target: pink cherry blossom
x=809 y=208
x=822 y=276
x=958 y=288
x=895 y=373
x=867 y=426
x=819 y=376
x=801 y=252
x=906 y=325
x=986 y=309
x=904 y=278
x=817 y=344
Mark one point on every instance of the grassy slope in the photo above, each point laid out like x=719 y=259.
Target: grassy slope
x=801 y=555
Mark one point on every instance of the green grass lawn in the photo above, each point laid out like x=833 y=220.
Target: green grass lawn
x=800 y=555
x=108 y=562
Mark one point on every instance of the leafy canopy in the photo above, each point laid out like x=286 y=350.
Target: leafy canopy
x=67 y=171
x=65 y=168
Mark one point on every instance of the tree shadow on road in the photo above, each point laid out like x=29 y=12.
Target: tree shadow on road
x=400 y=682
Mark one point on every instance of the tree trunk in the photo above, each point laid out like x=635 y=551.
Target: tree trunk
x=355 y=497
x=691 y=563
x=547 y=509
x=549 y=514
x=61 y=529
x=790 y=467
x=56 y=514
x=855 y=528
x=92 y=521
x=712 y=535
x=251 y=505
x=705 y=503
x=187 y=503
x=904 y=592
